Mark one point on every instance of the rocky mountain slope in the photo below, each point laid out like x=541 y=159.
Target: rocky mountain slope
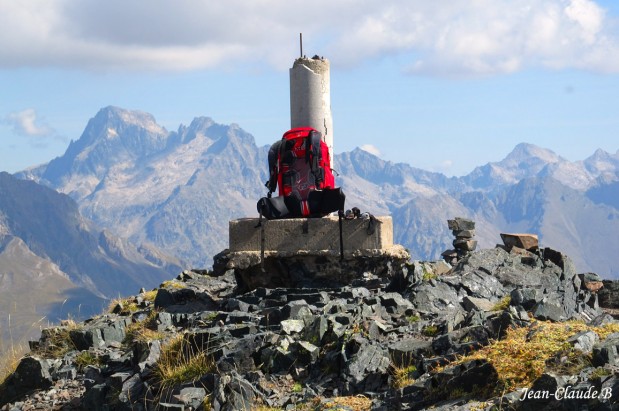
x=54 y=263
x=177 y=190
x=496 y=331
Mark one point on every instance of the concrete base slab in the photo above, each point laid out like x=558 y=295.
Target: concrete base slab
x=309 y=235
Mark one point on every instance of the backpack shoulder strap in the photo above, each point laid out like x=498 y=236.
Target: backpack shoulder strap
x=273 y=166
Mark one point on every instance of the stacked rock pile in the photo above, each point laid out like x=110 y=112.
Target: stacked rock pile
x=464 y=231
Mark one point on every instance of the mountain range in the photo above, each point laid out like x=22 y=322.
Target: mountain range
x=177 y=190
x=90 y=225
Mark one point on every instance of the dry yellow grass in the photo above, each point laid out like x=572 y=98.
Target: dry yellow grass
x=9 y=359
x=520 y=358
x=352 y=403
x=356 y=403
x=143 y=331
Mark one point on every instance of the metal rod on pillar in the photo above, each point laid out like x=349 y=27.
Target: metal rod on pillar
x=301 y=43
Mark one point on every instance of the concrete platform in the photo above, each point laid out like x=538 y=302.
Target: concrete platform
x=309 y=235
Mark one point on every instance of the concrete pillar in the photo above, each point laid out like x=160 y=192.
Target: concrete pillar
x=310 y=97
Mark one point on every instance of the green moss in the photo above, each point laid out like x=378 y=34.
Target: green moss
x=430 y=330
x=429 y=275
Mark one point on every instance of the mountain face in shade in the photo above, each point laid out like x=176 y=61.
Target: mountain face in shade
x=53 y=261
x=178 y=190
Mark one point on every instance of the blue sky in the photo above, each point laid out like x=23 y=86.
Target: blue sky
x=444 y=86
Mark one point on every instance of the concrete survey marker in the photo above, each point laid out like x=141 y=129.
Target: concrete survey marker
x=309 y=235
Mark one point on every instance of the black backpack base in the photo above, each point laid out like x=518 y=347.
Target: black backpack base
x=318 y=204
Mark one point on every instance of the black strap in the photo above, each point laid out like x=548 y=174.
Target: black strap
x=262 y=239
x=273 y=167
x=315 y=138
x=340 y=214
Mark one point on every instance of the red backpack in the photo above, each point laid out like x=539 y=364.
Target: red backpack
x=300 y=166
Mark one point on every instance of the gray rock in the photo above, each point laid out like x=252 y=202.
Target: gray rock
x=437 y=298
x=368 y=368
x=307 y=353
x=292 y=326
x=539 y=396
x=607 y=351
x=315 y=329
x=464 y=244
x=131 y=390
x=104 y=331
x=395 y=303
x=526 y=297
x=31 y=374
x=478 y=304
x=233 y=393
x=192 y=396
x=584 y=341
x=166 y=406
x=463 y=233
x=164 y=321
x=482 y=285
x=466 y=377
x=95 y=398
x=296 y=310
x=145 y=354
x=548 y=310
x=460 y=223
x=409 y=351
x=609 y=294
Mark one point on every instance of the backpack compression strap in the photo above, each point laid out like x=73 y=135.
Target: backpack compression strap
x=314 y=140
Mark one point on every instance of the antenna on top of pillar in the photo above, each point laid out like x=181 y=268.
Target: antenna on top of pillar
x=301 y=43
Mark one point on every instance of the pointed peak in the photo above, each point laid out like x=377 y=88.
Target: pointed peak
x=527 y=150
x=201 y=123
x=113 y=114
x=600 y=154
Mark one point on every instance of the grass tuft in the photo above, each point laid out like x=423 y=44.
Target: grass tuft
x=56 y=341
x=143 y=331
x=128 y=305
x=503 y=304
x=402 y=376
x=180 y=363
x=86 y=358
x=173 y=284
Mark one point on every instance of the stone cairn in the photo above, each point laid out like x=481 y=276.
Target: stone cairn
x=464 y=231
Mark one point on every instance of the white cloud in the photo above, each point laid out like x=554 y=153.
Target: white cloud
x=25 y=123
x=372 y=149
x=452 y=38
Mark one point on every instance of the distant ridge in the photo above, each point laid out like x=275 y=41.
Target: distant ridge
x=178 y=190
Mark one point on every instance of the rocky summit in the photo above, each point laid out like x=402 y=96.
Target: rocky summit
x=498 y=330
